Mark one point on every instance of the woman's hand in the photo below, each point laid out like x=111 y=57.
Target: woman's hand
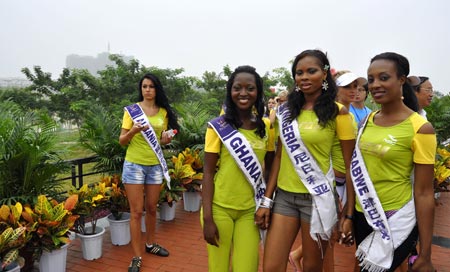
x=346 y=235
x=262 y=218
x=138 y=127
x=210 y=232
x=422 y=265
x=165 y=138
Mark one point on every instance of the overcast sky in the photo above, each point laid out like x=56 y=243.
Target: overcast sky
x=205 y=35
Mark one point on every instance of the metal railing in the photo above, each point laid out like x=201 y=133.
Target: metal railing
x=77 y=172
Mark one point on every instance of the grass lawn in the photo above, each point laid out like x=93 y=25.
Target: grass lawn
x=69 y=146
x=68 y=143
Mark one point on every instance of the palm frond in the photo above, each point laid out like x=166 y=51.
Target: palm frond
x=99 y=133
x=193 y=122
x=28 y=162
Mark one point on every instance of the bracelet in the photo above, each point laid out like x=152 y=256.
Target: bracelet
x=347 y=216
x=265 y=202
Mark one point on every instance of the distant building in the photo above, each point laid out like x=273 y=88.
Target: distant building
x=14 y=82
x=92 y=64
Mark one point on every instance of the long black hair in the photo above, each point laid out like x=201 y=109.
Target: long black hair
x=160 y=99
x=402 y=66
x=325 y=107
x=231 y=113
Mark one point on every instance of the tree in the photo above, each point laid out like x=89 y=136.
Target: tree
x=438 y=113
x=22 y=97
x=41 y=81
x=118 y=82
x=280 y=77
x=178 y=88
x=214 y=86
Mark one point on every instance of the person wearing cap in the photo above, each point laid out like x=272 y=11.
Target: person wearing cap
x=347 y=83
x=424 y=92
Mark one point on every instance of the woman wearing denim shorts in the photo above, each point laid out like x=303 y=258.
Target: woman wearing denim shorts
x=142 y=171
x=318 y=119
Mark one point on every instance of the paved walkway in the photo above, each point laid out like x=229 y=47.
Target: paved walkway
x=183 y=238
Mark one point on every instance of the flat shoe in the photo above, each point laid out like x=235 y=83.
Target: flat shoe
x=156 y=250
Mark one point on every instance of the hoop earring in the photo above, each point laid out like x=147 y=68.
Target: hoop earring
x=325 y=85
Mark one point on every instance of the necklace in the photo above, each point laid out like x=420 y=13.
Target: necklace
x=358 y=117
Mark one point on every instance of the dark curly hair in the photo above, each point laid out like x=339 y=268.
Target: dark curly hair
x=231 y=114
x=325 y=107
x=402 y=66
x=160 y=99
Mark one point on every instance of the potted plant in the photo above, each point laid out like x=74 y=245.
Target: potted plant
x=441 y=171
x=52 y=222
x=29 y=159
x=168 y=198
x=15 y=234
x=187 y=169
x=119 y=219
x=117 y=196
x=11 y=239
x=91 y=201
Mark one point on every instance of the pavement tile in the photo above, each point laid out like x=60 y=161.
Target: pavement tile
x=183 y=238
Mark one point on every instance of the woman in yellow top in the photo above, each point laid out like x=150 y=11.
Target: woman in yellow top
x=228 y=195
x=392 y=143
x=347 y=83
x=312 y=115
x=142 y=170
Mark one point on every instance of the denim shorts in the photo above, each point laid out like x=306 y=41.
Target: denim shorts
x=297 y=205
x=141 y=174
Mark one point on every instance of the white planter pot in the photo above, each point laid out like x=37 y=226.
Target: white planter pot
x=54 y=261
x=143 y=227
x=14 y=267
x=92 y=245
x=120 y=229
x=166 y=212
x=191 y=201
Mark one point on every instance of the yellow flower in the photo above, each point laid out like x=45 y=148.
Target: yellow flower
x=98 y=197
x=441 y=174
x=442 y=168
